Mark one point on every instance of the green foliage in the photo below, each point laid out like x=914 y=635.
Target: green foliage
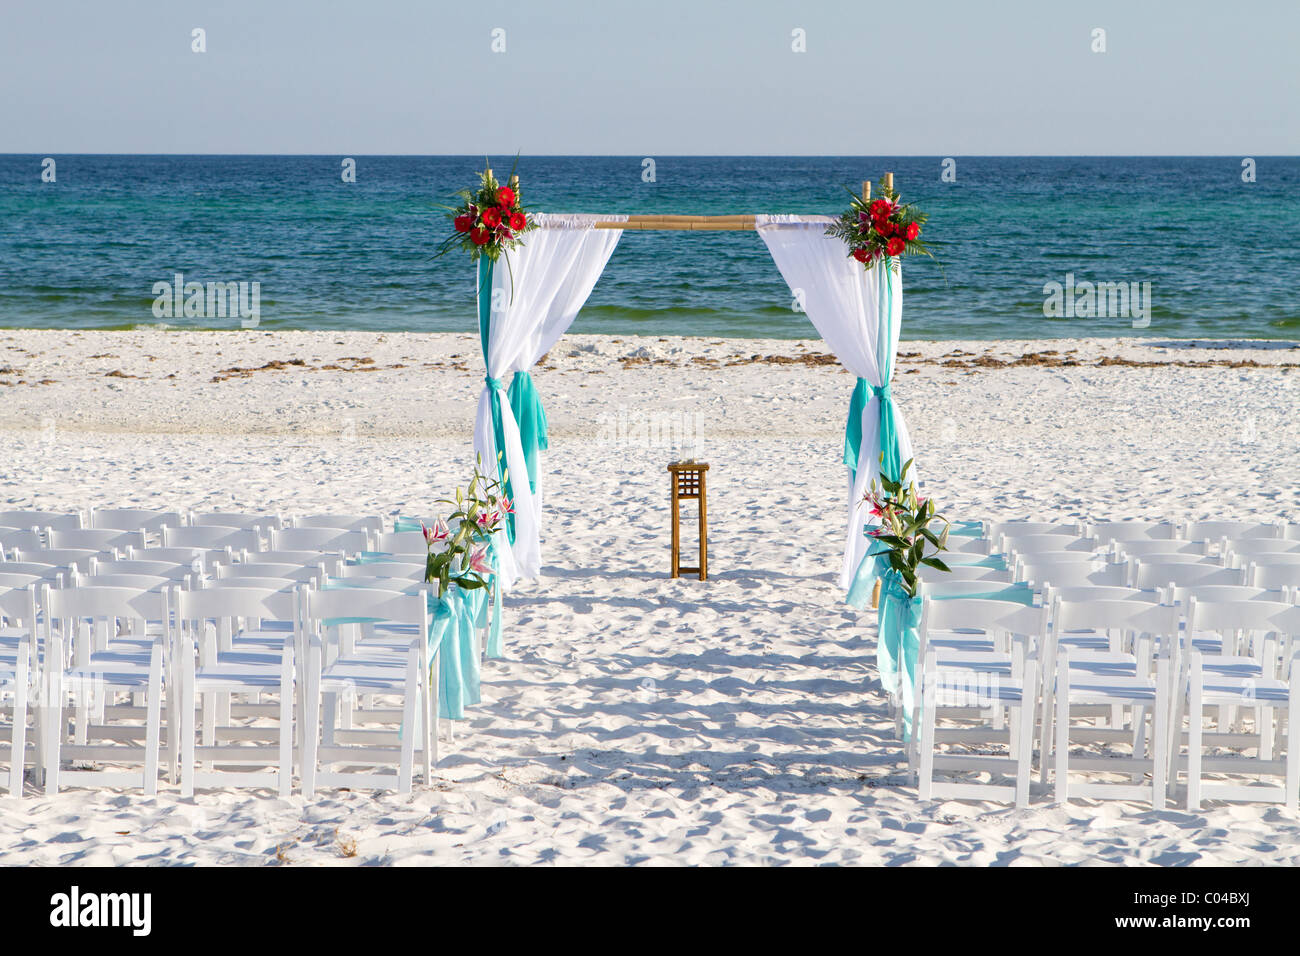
x=905 y=537
x=868 y=234
x=458 y=542
x=475 y=208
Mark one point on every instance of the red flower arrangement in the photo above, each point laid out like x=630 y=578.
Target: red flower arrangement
x=488 y=220
x=881 y=228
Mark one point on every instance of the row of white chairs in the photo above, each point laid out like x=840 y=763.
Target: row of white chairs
x=216 y=539
x=151 y=520
x=1061 y=646
x=173 y=626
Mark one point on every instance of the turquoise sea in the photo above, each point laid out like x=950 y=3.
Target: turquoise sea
x=1221 y=254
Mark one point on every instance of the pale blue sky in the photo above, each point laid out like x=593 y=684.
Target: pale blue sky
x=661 y=77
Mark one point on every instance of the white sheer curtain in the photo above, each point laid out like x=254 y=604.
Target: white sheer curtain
x=842 y=300
x=536 y=295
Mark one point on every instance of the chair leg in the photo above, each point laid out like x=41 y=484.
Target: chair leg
x=1026 y=717
x=153 y=722
x=188 y=703
x=430 y=730
x=435 y=702
x=1293 y=743
x=410 y=714
x=1264 y=729
x=1049 y=712
x=1062 y=728
x=1160 y=733
x=18 y=747
x=54 y=725
x=310 y=735
x=286 y=723
x=1195 y=719
x=925 y=766
x=1139 y=738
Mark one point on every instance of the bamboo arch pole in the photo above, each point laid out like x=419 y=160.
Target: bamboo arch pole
x=732 y=222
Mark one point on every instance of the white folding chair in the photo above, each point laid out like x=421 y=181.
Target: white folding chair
x=230 y=519
x=1164 y=574
x=15 y=684
x=967 y=573
x=181 y=573
x=1107 y=532
x=399 y=543
x=1029 y=545
x=211 y=538
x=413 y=676
x=1091 y=679
x=963 y=681
x=70 y=559
x=1212 y=532
x=368 y=523
x=88 y=618
x=1074 y=573
x=306 y=574
x=1239 y=551
x=1260 y=677
x=397 y=567
x=994 y=530
x=223 y=671
x=19 y=657
x=40 y=519
x=318 y=539
x=145 y=520
x=327 y=561
x=1263 y=573
x=1155 y=548
x=104 y=540
x=31 y=539
x=46 y=572
x=196 y=558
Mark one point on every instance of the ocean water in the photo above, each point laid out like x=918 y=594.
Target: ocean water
x=1221 y=255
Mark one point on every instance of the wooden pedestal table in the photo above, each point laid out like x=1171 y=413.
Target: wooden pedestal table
x=687 y=480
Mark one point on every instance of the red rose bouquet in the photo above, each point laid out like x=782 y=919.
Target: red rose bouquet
x=880 y=228
x=488 y=220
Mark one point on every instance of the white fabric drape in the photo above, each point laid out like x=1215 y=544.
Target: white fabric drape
x=842 y=300
x=536 y=295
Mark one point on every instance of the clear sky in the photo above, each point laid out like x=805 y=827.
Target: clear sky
x=660 y=77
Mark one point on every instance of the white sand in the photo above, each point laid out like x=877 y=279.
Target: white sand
x=640 y=719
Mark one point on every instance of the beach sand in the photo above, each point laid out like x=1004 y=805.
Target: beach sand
x=640 y=719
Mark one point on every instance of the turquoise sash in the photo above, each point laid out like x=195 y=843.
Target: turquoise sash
x=451 y=635
x=863 y=392
x=496 y=391
x=531 y=417
x=495 y=637
x=898 y=621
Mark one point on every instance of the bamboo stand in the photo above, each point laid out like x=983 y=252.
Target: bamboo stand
x=687 y=479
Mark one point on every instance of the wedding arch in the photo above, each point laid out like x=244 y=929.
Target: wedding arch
x=523 y=311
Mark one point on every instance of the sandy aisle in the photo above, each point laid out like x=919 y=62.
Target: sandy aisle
x=638 y=718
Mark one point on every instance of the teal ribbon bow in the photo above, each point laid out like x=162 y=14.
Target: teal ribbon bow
x=496 y=391
x=530 y=415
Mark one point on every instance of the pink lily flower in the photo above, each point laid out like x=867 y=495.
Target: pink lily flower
x=478 y=561
x=437 y=534
x=507 y=506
